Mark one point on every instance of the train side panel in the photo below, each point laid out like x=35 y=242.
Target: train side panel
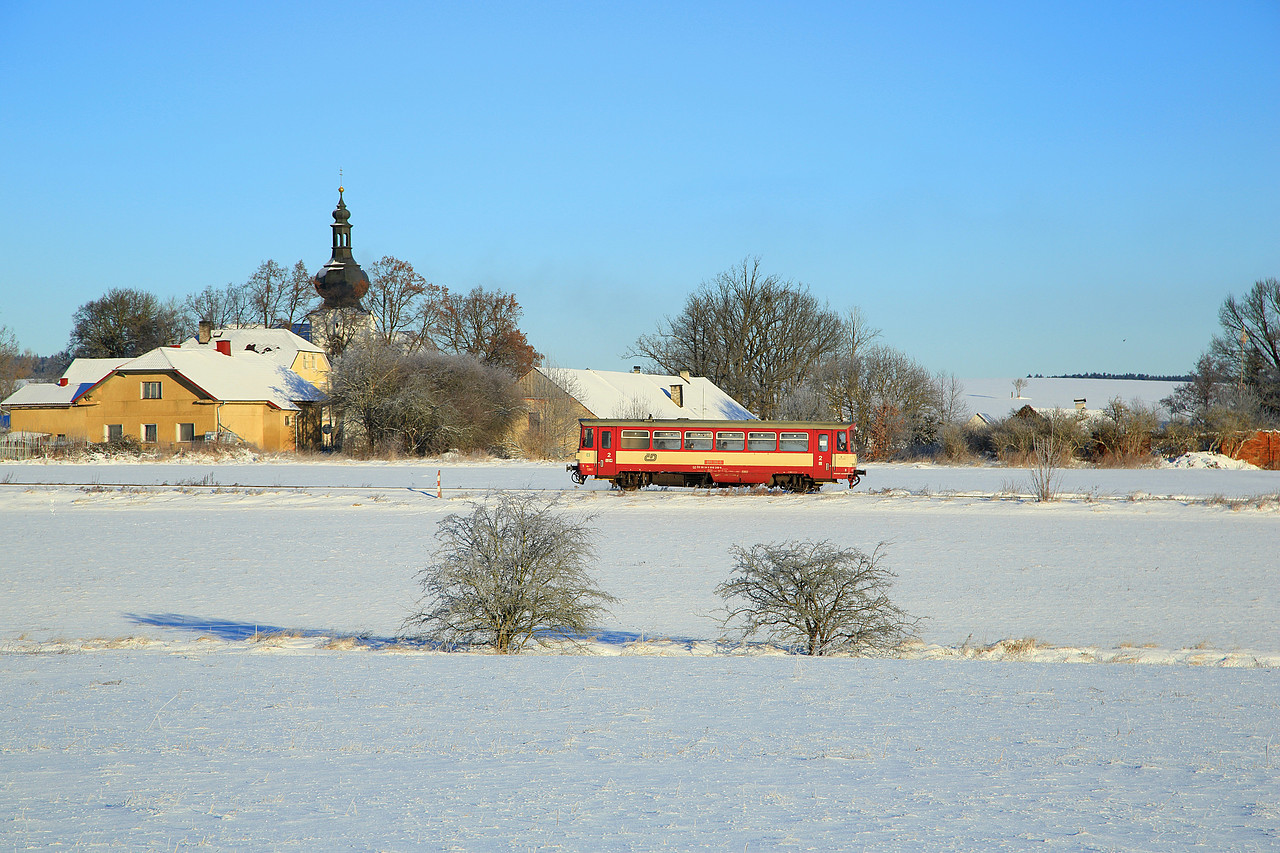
x=795 y=455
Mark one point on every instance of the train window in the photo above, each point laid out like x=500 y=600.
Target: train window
x=842 y=441
x=635 y=439
x=729 y=440
x=588 y=437
x=823 y=442
x=795 y=441
x=762 y=441
x=697 y=439
x=666 y=439
x=606 y=439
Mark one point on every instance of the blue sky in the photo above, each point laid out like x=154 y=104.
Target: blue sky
x=1002 y=188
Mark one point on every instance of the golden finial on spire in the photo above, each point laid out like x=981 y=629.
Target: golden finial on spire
x=339 y=180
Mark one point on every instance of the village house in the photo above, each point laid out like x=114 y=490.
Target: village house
x=173 y=397
x=555 y=398
x=279 y=345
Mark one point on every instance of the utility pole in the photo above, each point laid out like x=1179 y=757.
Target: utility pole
x=1244 y=341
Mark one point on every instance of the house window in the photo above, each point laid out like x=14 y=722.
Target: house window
x=151 y=390
x=149 y=433
x=795 y=441
x=535 y=421
x=697 y=439
x=186 y=432
x=115 y=432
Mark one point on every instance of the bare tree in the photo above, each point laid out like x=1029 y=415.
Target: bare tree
x=298 y=296
x=892 y=398
x=265 y=292
x=841 y=374
x=950 y=395
x=13 y=366
x=510 y=574
x=1209 y=386
x=633 y=408
x=400 y=298
x=754 y=335
x=484 y=324
x=1018 y=385
x=804 y=402
x=224 y=307
x=819 y=597
x=1247 y=349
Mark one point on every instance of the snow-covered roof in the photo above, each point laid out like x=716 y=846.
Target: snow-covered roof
x=81 y=375
x=280 y=345
x=245 y=377
x=995 y=396
x=613 y=394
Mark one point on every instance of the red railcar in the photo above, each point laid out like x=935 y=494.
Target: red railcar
x=796 y=455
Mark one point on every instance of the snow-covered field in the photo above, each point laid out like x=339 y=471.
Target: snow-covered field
x=207 y=655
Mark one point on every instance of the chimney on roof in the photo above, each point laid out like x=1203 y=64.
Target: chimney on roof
x=62 y=383
x=206 y=331
x=677 y=395
x=684 y=374
x=635 y=369
x=224 y=346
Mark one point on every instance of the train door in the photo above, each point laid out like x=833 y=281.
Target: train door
x=822 y=459
x=605 y=460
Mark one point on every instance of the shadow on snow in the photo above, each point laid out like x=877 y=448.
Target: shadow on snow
x=233 y=630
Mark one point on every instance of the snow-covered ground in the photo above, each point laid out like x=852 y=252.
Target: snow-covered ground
x=218 y=665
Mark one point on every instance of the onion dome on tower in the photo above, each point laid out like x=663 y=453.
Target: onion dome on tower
x=341 y=282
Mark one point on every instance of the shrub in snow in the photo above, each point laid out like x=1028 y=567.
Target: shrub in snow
x=814 y=596
x=1044 y=469
x=509 y=574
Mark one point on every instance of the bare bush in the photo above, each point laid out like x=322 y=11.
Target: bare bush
x=1013 y=439
x=427 y=402
x=1045 y=464
x=508 y=575
x=1123 y=436
x=815 y=596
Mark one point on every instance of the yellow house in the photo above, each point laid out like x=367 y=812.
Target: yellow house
x=279 y=345
x=175 y=397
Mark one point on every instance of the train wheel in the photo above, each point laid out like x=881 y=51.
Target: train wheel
x=629 y=481
x=797 y=483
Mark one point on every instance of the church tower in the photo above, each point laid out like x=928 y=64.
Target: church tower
x=341 y=320
x=341 y=282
